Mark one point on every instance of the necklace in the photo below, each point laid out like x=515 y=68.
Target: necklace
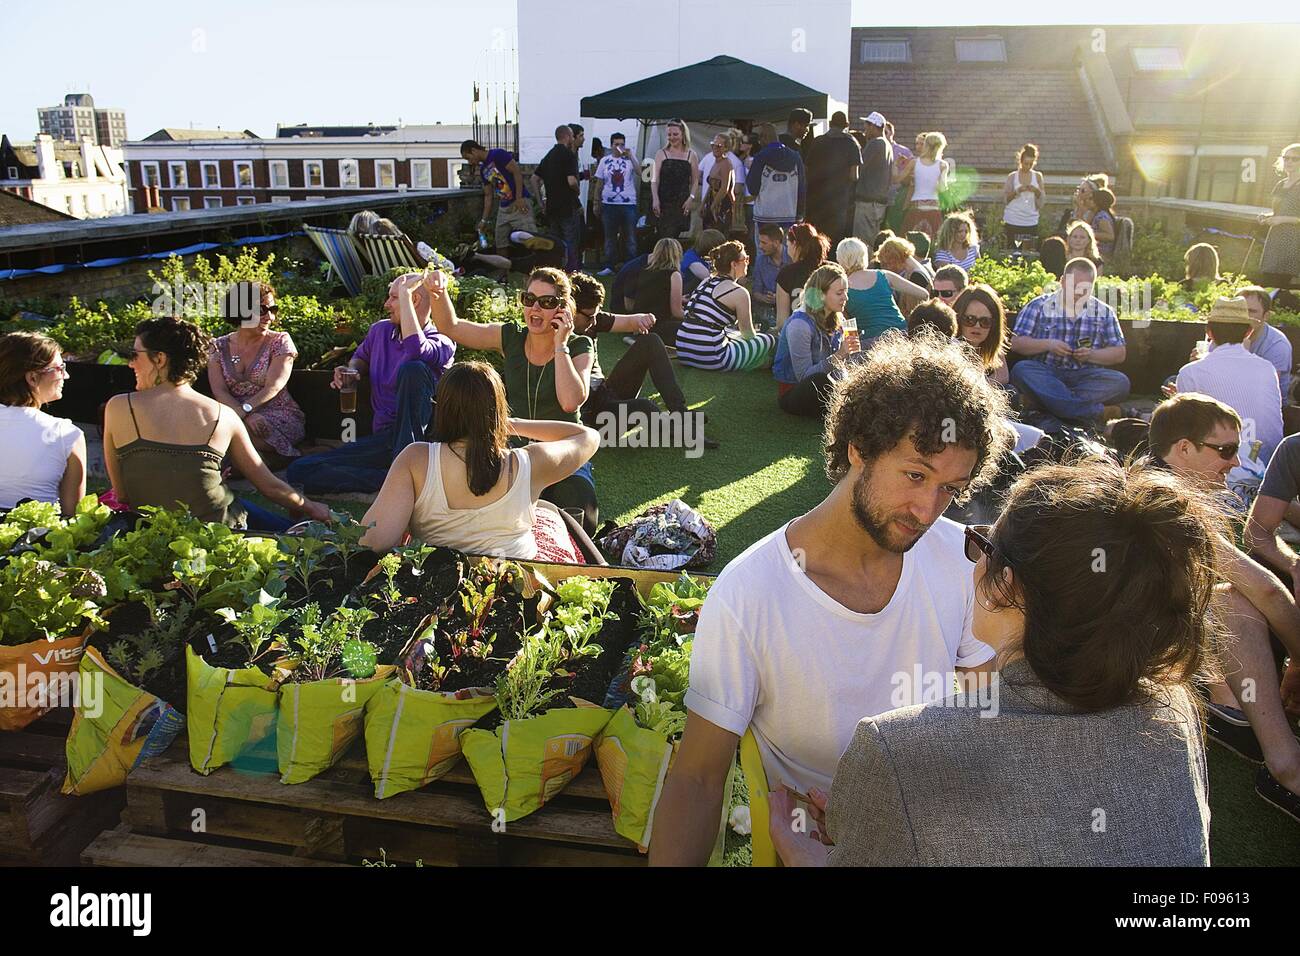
x=532 y=404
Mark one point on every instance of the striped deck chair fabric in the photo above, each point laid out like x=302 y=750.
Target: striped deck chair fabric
x=384 y=253
x=340 y=252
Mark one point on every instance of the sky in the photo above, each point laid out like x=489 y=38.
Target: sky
x=238 y=64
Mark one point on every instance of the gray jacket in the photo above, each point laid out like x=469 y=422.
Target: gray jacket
x=1040 y=784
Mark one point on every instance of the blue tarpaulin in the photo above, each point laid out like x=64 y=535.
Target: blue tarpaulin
x=118 y=260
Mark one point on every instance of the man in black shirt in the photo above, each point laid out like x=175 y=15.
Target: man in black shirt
x=832 y=163
x=873 y=186
x=558 y=175
x=800 y=135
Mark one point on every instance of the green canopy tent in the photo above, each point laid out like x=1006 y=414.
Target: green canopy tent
x=722 y=89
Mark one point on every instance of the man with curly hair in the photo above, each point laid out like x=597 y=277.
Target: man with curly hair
x=862 y=605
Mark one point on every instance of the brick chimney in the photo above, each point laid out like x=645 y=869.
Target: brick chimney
x=88 y=158
x=45 y=161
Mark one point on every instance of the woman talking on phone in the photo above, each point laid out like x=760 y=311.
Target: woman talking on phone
x=547 y=368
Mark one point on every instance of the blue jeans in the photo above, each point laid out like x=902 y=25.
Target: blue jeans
x=363 y=464
x=258 y=518
x=1069 y=394
x=616 y=217
x=569 y=229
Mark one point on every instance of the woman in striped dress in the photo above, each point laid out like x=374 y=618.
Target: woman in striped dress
x=958 y=242
x=718 y=331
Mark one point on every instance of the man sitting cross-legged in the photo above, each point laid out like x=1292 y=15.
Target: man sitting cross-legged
x=1069 y=337
x=1198 y=438
x=820 y=623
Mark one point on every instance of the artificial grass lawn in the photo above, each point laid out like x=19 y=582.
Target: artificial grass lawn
x=769 y=470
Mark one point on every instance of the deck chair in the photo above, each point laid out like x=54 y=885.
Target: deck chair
x=385 y=253
x=763 y=852
x=340 y=252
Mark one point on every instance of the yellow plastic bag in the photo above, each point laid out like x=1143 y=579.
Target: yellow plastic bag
x=524 y=763
x=319 y=720
x=114 y=729
x=227 y=710
x=413 y=735
x=34 y=676
x=633 y=765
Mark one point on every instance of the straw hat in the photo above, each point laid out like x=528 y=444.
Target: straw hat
x=1230 y=311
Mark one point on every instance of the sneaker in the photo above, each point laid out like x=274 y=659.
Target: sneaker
x=711 y=443
x=1228 y=727
x=1273 y=792
x=607 y=271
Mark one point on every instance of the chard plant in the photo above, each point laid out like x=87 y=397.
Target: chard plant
x=422 y=667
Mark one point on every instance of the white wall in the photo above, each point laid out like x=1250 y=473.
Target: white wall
x=567 y=52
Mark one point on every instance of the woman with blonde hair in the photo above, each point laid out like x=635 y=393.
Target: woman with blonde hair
x=1201 y=262
x=1280 y=262
x=813 y=346
x=927 y=176
x=1081 y=243
x=675 y=185
x=897 y=256
x=718 y=332
x=659 y=289
x=958 y=241
x=870 y=297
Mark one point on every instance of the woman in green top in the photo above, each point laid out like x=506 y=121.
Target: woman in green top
x=164 y=444
x=547 y=370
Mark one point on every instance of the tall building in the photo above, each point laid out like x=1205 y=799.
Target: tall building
x=78 y=117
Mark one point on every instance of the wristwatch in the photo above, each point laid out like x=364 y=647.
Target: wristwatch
x=248 y=409
x=564 y=349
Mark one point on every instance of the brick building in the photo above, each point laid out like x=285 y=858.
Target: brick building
x=206 y=169
x=1196 y=112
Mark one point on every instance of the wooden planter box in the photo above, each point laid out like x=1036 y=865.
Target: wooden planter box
x=90 y=385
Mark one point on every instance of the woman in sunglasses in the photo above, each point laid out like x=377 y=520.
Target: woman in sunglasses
x=1084 y=747
x=1280 y=261
x=249 y=369
x=982 y=324
x=45 y=456
x=547 y=370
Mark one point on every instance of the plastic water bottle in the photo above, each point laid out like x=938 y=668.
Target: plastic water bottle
x=482 y=240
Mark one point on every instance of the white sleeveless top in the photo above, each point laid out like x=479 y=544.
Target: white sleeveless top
x=503 y=528
x=1021 y=211
x=926 y=181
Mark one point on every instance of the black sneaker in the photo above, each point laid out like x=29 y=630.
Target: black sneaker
x=1273 y=792
x=1228 y=727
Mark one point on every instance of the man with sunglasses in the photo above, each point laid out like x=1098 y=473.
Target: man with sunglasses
x=1197 y=437
x=845 y=611
x=949 y=281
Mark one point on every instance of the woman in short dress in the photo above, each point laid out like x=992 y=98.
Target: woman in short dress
x=1281 y=259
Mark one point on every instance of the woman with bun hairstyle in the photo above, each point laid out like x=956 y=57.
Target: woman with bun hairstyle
x=164 y=444
x=718 y=331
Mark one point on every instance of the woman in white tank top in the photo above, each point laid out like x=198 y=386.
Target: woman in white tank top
x=929 y=176
x=471 y=491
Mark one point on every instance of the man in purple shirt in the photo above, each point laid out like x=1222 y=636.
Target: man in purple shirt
x=404 y=356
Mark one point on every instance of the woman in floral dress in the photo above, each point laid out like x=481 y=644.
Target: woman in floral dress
x=249 y=370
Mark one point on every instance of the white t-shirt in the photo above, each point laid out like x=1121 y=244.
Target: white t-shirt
x=619 y=174
x=36 y=447
x=774 y=651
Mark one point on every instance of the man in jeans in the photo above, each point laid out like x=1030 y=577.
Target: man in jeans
x=771 y=257
x=617 y=175
x=557 y=177
x=1069 y=338
x=776 y=181
x=873 y=188
x=404 y=356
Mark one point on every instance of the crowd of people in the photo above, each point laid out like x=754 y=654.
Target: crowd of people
x=928 y=390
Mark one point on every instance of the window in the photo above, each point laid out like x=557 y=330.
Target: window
x=179 y=179
x=313 y=173
x=180 y=204
x=279 y=174
x=349 y=174
x=385 y=174
x=982 y=50
x=243 y=175
x=1219 y=179
x=315 y=197
x=71 y=209
x=150 y=173
x=1158 y=59
x=279 y=199
x=421 y=174
x=211 y=174
x=13 y=172
x=211 y=202
x=245 y=200
x=886 y=50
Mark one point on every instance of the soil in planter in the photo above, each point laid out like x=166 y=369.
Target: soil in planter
x=167 y=682
x=231 y=653
x=331 y=582
x=432 y=591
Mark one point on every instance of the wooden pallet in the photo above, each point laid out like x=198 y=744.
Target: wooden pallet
x=250 y=818
x=39 y=826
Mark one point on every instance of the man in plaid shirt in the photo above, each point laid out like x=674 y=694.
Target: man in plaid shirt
x=1068 y=337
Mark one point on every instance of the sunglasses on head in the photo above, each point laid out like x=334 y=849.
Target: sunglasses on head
x=976 y=321
x=527 y=299
x=1226 y=452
